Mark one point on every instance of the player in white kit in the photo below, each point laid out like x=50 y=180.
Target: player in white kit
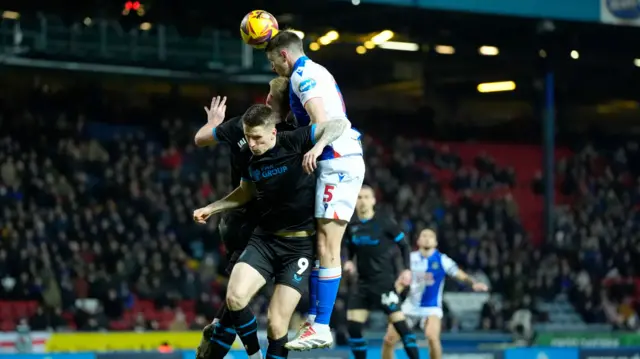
x=429 y=269
x=315 y=98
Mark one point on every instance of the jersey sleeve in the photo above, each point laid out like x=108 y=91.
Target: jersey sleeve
x=449 y=265
x=395 y=232
x=393 y=229
x=302 y=139
x=305 y=86
x=223 y=133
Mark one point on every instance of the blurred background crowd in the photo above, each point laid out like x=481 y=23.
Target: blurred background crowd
x=99 y=175
x=96 y=229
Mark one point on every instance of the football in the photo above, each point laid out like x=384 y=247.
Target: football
x=257 y=28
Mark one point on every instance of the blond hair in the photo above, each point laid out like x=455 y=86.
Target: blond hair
x=279 y=90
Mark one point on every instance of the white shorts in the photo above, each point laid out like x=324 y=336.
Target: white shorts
x=337 y=186
x=415 y=314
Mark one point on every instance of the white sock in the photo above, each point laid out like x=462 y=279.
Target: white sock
x=311 y=318
x=256 y=355
x=321 y=328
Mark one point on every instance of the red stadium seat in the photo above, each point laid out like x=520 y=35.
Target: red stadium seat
x=147 y=304
x=6 y=309
x=119 y=325
x=7 y=326
x=21 y=309
x=167 y=315
x=188 y=305
x=32 y=306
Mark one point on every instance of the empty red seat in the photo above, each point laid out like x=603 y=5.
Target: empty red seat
x=7 y=326
x=188 y=305
x=21 y=309
x=32 y=306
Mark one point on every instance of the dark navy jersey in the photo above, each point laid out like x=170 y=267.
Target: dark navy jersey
x=285 y=194
x=231 y=133
x=373 y=242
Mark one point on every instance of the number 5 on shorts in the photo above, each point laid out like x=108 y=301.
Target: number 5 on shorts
x=328 y=192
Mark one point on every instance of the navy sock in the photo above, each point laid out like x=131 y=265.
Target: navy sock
x=247 y=328
x=408 y=339
x=276 y=349
x=223 y=334
x=357 y=343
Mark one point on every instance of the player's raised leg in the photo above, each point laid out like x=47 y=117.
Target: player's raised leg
x=337 y=188
x=244 y=283
x=355 y=321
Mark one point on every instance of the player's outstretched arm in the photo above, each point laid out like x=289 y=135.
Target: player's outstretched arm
x=215 y=115
x=239 y=197
x=468 y=280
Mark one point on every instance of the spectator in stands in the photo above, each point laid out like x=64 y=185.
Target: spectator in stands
x=39 y=321
x=199 y=322
x=205 y=306
x=490 y=316
x=179 y=323
x=113 y=305
x=537 y=186
x=140 y=324
x=445 y=159
x=97 y=210
x=521 y=322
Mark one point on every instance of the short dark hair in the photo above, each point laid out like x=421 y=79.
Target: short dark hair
x=285 y=40
x=258 y=115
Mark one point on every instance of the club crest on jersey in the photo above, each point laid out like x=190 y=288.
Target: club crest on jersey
x=435 y=265
x=307 y=85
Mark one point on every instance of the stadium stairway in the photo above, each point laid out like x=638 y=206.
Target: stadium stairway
x=561 y=312
x=526 y=160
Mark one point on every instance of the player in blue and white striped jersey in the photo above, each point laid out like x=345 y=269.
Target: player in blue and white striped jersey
x=429 y=268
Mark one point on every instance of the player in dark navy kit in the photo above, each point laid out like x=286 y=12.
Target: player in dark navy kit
x=235 y=226
x=372 y=239
x=283 y=244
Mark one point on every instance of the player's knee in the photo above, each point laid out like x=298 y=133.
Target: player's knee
x=237 y=298
x=390 y=338
x=432 y=335
x=277 y=326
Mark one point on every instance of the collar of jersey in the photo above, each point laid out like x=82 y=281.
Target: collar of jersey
x=299 y=62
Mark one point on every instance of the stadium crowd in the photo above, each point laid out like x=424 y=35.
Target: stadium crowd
x=94 y=208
